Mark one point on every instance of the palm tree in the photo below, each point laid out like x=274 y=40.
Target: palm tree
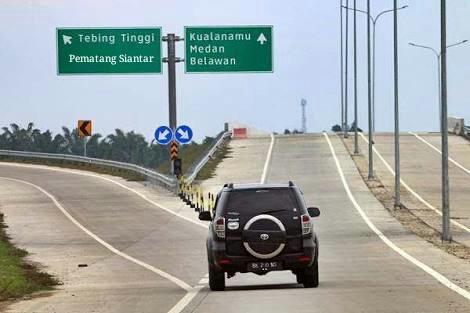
x=93 y=146
x=73 y=143
x=21 y=139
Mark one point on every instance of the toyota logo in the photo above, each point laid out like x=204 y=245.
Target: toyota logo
x=264 y=236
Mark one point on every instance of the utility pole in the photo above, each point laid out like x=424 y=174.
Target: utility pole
x=356 y=142
x=397 y=117
x=346 y=91
x=171 y=60
x=369 y=97
x=446 y=234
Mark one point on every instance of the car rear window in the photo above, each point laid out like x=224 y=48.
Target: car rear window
x=261 y=200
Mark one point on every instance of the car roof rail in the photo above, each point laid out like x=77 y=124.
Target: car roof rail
x=229 y=185
x=291 y=184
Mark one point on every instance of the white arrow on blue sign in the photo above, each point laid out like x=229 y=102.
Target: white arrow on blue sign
x=163 y=135
x=183 y=134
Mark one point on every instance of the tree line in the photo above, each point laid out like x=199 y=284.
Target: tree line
x=129 y=147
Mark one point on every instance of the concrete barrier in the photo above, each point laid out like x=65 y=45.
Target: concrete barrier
x=456 y=125
x=239 y=133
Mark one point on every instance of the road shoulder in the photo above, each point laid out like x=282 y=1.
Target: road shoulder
x=453 y=268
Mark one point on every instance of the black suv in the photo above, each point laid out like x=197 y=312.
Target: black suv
x=261 y=228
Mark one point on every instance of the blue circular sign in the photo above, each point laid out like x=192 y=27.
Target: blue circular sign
x=163 y=135
x=183 y=134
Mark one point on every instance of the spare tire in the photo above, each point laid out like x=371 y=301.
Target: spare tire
x=264 y=236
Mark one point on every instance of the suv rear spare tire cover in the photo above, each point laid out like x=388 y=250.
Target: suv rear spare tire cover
x=264 y=237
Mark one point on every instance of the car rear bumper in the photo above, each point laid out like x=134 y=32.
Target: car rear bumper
x=292 y=261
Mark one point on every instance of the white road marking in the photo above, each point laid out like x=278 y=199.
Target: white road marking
x=108 y=246
x=186 y=300
x=463 y=168
x=438 y=276
x=410 y=190
x=268 y=160
x=191 y=292
x=160 y=206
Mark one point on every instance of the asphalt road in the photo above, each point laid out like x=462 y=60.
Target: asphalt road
x=358 y=271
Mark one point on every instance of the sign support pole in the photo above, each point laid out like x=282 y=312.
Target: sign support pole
x=171 y=59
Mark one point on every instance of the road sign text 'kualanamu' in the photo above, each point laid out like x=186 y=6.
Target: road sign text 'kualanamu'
x=228 y=49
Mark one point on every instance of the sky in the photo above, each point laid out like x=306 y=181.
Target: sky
x=306 y=38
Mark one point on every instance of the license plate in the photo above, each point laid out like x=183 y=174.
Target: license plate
x=264 y=266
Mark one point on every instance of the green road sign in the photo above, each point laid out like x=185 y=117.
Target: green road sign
x=109 y=50
x=228 y=49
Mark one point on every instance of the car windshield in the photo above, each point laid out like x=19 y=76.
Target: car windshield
x=261 y=201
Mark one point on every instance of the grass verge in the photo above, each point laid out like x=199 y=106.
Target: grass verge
x=18 y=277
x=208 y=171
x=128 y=175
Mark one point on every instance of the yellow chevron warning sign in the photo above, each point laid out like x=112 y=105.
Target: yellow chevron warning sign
x=174 y=150
x=84 y=128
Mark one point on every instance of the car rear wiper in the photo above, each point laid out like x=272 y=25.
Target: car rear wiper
x=273 y=211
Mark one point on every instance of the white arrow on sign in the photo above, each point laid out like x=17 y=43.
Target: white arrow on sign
x=184 y=134
x=163 y=134
x=67 y=39
x=261 y=39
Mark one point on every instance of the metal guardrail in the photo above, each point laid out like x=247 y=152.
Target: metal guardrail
x=466 y=129
x=194 y=170
x=165 y=180
x=154 y=176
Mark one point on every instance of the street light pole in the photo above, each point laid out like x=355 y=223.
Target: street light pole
x=397 y=116
x=371 y=102
x=374 y=24
x=446 y=235
x=342 y=61
x=369 y=98
x=438 y=58
x=356 y=142
x=346 y=90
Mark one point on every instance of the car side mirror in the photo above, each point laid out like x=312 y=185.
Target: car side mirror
x=313 y=212
x=205 y=216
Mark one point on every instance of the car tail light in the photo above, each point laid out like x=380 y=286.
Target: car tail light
x=224 y=262
x=306 y=224
x=219 y=225
x=304 y=258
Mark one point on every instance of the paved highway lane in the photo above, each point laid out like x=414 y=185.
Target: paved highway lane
x=421 y=171
x=123 y=220
x=358 y=271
